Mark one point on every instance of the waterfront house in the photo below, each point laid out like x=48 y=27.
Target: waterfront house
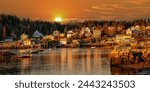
x=9 y=39
x=62 y=35
x=56 y=34
x=24 y=36
x=70 y=34
x=96 y=32
x=129 y=32
x=148 y=31
x=63 y=41
x=88 y=34
x=37 y=34
x=111 y=31
x=25 y=40
x=122 y=38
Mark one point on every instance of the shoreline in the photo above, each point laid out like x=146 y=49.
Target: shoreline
x=138 y=66
x=119 y=61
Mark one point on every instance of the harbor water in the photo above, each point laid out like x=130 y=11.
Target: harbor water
x=63 y=61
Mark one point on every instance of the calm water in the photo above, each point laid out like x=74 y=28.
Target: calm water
x=61 y=62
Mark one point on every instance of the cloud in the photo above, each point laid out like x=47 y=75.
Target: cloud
x=87 y=10
x=96 y=7
x=110 y=17
x=138 y=1
x=105 y=13
x=121 y=9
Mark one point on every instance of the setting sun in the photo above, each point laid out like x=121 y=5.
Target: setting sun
x=58 y=19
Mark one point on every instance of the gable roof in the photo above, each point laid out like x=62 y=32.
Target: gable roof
x=37 y=34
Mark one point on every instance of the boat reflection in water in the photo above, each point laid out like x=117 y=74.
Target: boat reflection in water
x=59 y=62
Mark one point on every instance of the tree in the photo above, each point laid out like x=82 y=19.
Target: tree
x=65 y=31
x=4 y=32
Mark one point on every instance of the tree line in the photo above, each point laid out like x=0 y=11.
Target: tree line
x=13 y=26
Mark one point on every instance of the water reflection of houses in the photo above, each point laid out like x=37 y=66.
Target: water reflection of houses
x=70 y=62
x=88 y=60
x=64 y=61
x=63 y=56
x=97 y=60
x=25 y=65
x=7 y=67
x=82 y=62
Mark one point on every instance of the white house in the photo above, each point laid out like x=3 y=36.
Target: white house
x=137 y=27
x=56 y=33
x=129 y=32
x=122 y=38
x=9 y=39
x=69 y=34
x=63 y=41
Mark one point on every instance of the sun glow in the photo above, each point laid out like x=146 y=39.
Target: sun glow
x=58 y=19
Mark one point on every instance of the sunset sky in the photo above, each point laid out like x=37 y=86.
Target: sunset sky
x=77 y=9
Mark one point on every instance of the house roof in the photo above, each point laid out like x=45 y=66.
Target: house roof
x=37 y=34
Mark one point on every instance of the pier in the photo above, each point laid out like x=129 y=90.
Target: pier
x=6 y=53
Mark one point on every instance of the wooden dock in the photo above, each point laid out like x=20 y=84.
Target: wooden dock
x=6 y=53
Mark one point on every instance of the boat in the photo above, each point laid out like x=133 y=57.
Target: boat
x=93 y=47
x=30 y=51
x=24 y=56
x=26 y=51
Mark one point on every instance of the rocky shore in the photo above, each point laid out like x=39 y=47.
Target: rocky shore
x=131 y=58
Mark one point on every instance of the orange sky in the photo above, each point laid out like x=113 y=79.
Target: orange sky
x=80 y=9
